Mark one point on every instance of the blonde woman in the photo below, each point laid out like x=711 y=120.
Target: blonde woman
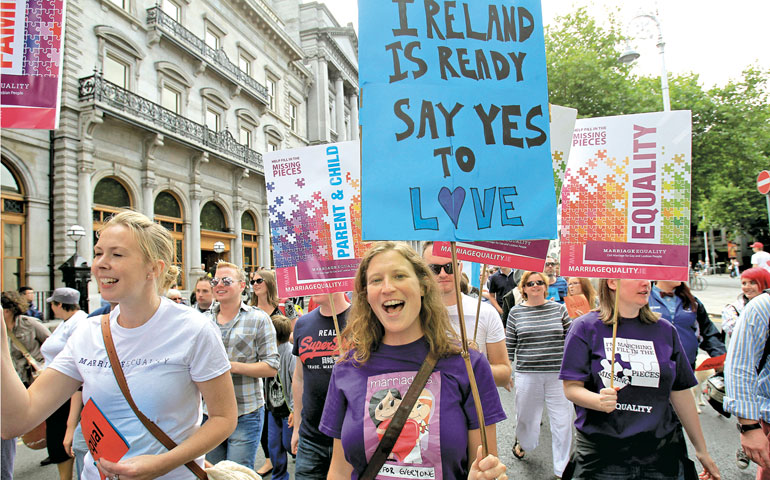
x=162 y=343
x=630 y=431
x=397 y=319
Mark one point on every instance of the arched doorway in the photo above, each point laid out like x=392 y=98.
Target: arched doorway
x=250 y=242
x=168 y=213
x=110 y=196
x=214 y=229
x=13 y=234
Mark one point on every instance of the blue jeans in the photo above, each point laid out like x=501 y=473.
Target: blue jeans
x=313 y=460
x=633 y=472
x=279 y=443
x=6 y=458
x=241 y=446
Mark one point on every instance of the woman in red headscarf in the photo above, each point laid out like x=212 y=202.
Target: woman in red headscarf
x=753 y=282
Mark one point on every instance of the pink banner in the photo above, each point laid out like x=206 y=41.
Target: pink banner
x=523 y=254
x=291 y=286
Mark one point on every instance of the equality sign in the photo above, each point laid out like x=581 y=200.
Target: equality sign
x=314 y=195
x=103 y=440
x=523 y=254
x=626 y=198
x=30 y=63
x=454 y=117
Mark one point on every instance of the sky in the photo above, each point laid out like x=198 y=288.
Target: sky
x=714 y=39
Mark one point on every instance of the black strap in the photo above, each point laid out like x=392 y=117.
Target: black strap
x=766 y=351
x=399 y=419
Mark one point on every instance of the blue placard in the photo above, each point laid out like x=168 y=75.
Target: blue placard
x=454 y=115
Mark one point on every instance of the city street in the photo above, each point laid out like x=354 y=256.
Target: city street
x=721 y=435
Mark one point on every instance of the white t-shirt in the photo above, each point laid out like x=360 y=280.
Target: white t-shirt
x=761 y=259
x=55 y=343
x=161 y=360
x=490 y=325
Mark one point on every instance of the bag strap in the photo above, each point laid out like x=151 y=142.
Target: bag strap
x=20 y=346
x=399 y=419
x=155 y=430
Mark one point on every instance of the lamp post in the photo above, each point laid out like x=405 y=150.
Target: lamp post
x=219 y=247
x=76 y=232
x=630 y=55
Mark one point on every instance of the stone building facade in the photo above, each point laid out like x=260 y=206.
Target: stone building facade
x=167 y=108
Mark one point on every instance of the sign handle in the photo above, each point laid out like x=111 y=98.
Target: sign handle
x=336 y=324
x=614 y=334
x=466 y=356
x=478 y=306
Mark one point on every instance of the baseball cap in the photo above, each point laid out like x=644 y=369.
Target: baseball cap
x=64 y=295
x=757 y=245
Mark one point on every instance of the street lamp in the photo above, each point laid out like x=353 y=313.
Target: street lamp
x=630 y=55
x=76 y=232
x=219 y=247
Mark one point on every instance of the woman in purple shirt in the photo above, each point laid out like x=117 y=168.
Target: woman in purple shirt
x=630 y=432
x=396 y=320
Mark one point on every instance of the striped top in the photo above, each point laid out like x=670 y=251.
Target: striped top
x=747 y=394
x=535 y=336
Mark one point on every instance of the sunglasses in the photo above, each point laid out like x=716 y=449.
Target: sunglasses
x=550 y=264
x=539 y=283
x=226 y=281
x=257 y=280
x=436 y=269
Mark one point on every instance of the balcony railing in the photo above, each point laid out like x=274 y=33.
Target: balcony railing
x=216 y=58
x=137 y=109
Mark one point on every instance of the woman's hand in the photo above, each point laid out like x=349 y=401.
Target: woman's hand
x=290 y=420
x=608 y=398
x=710 y=469
x=67 y=442
x=489 y=468
x=142 y=467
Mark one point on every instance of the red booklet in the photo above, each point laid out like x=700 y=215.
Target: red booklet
x=101 y=436
x=713 y=362
x=575 y=303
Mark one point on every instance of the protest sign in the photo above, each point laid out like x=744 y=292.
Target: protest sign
x=454 y=118
x=577 y=305
x=31 y=50
x=103 y=440
x=562 y=125
x=314 y=195
x=523 y=254
x=626 y=198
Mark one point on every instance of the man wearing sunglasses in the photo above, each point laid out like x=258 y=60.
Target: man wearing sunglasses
x=490 y=339
x=557 y=286
x=249 y=338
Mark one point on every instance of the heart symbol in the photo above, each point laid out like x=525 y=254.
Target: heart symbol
x=452 y=202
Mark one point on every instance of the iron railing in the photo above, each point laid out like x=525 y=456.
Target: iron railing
x=137 y=109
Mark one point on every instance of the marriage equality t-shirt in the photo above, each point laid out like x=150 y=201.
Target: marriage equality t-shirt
x=363 y=398
x=649 y=364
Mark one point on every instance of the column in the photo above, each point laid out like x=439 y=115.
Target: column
x=148 y=184
x=339 y=107
x=237 y=256
x=85 y=198
x=195 y=233
x=353 y=101
x=264 y=238
x=318 y=103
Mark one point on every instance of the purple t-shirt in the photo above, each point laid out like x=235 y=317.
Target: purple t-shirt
x=649 y=364
x=434 y=442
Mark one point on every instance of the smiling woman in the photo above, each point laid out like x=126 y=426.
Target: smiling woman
x=167 y=344
x=397 y=320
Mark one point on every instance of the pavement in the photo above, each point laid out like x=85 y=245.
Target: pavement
x=721 y=436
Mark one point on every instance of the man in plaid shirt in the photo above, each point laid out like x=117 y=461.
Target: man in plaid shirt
x=249 y=338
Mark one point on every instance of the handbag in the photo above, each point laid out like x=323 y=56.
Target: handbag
x=155 y=430
x=399 y=419
x=35 y=438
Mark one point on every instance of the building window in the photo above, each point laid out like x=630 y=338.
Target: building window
x=271 y=93
x=168 y=214
x=272 y=146
x=211 y=38
x=244 y=63
x=171 y=99
x=250 y=242
x=244 y=136
x=293 y=116
x=332 y=115
x=120 y=3
x=110 y=196
x=213 y=119
x=172 y=9
x=116 y=71
x=13 y=233
x=212 y=218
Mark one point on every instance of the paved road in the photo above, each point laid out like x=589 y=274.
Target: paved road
x=721 y=435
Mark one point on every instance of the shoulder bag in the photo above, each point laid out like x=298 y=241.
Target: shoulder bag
x=399 y=419
x=156 y=431
x=35 y=438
